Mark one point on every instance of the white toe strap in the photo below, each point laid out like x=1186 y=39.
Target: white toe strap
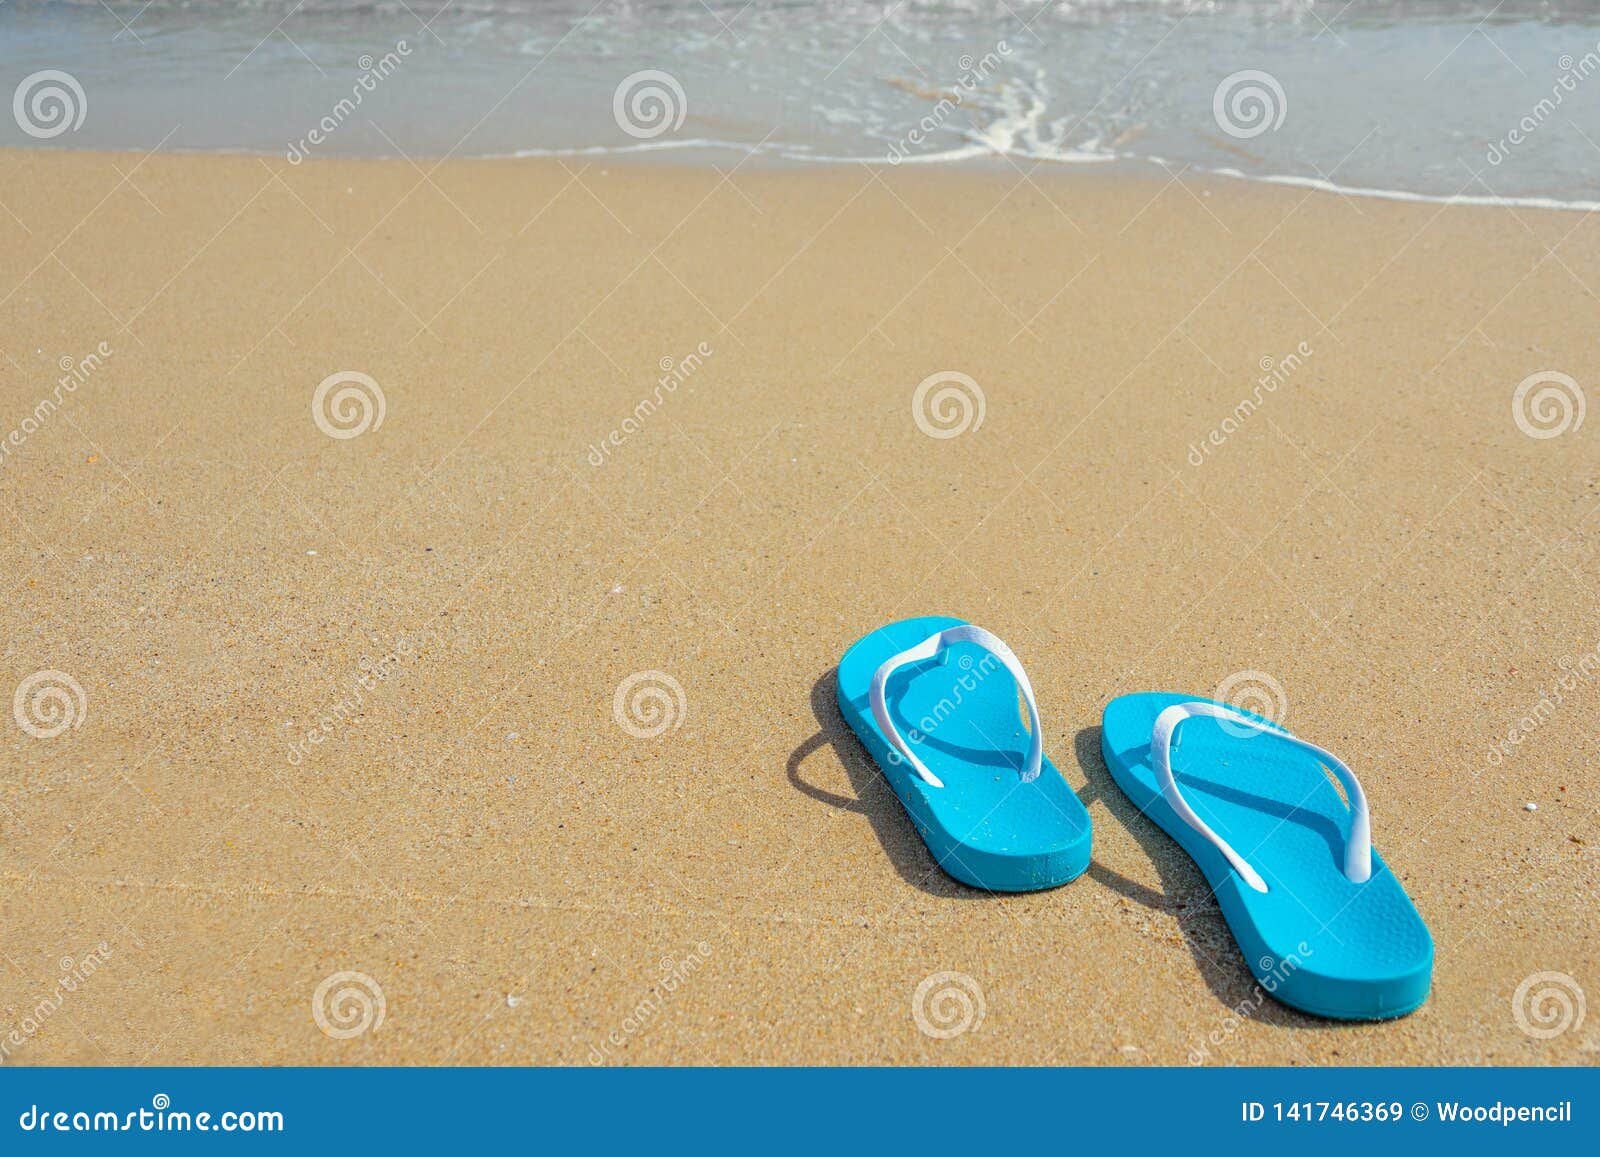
x=1358 y=848
x=928 y=649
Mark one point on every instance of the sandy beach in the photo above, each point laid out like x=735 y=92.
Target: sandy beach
x=480 y=709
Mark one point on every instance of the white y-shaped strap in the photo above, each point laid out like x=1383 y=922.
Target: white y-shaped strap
x=927 y=649
x=1357 y=849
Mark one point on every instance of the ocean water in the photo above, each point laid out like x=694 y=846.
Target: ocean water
x=1438 y=99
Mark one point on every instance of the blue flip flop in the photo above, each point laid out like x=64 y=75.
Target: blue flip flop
x=1322 y=922
x=989 y=804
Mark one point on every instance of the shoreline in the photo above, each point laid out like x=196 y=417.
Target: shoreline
x=992 y=164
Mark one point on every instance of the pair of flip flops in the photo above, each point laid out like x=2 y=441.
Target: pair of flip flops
x=1321 y=921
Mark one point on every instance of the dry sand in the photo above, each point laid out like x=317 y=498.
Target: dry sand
x=523 y=879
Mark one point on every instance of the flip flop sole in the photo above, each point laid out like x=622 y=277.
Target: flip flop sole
x=1314 y=940
x=985 y=827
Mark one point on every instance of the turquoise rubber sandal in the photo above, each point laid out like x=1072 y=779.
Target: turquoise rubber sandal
x=1323 y=924
x=989 y=804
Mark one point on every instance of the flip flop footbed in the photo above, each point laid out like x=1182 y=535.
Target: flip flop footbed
x=1315 y=939
x=959 y=713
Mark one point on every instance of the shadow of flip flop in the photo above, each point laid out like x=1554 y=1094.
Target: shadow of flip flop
x=873 y=798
